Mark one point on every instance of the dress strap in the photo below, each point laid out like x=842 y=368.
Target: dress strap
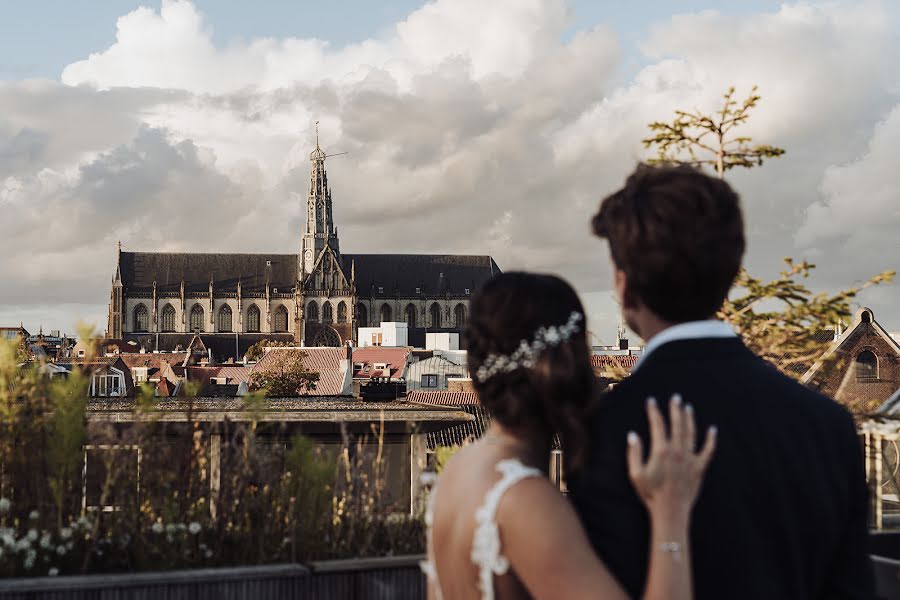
x=486 y=545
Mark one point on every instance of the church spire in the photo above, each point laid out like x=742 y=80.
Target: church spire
x=319 y=231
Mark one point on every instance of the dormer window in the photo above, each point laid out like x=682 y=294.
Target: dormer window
x=268 y=263
x=468 y=291
x=418 y=290
x=380 y=290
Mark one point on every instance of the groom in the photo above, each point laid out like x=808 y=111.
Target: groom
x=782 y=510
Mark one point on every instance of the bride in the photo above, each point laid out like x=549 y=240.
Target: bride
x=498 y=528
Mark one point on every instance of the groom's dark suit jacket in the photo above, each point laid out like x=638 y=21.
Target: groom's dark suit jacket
x=782 y=510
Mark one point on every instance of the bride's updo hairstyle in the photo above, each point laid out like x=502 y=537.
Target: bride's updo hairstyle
x=547 y=393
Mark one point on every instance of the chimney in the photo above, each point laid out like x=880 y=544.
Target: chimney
x=623 y=343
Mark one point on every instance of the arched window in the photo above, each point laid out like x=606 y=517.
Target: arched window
x=362 y=315
x=327 y=317
x=435 y=315
x=387 y=315
x=866 y=366
x=459 y=314
x=253 y=319
x=342 y=312
x=281 y=319
x=167 y=322
x=197 y=318
x=312 y=312
x=141 y=318
x=337 y=281
x=225 y=320
x=411 y=314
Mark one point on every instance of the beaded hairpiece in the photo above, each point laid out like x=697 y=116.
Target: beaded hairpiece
x=527 y=353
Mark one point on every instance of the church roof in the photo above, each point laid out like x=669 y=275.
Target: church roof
x=168 y=269
x=432 y=274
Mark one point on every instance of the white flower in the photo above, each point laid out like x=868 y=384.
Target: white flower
x=157 y=527
x=29 y=559
x=5 y=504
x=208 y=553
x=84 y=522
x=194 y=528
x=65 y=533
x=53 y=572
x=8 y=540
x=170 y=528
x=61 y=550
x=23 y=544
x=45 y=541
x=32 y=535
x=34 y=515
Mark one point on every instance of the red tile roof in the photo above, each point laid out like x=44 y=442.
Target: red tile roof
x=324 y=361
x=396 y=359
x=136 y=359
x=444 y=397
x=609 y=361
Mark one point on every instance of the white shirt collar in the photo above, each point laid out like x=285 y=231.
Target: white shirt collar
x=691 y=330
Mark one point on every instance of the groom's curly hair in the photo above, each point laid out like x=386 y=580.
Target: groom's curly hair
x=551 y=397
x=678 y=235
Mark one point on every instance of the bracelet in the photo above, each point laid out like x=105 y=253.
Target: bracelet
x=673 y=548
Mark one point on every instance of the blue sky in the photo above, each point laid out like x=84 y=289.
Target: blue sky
x=40 y=37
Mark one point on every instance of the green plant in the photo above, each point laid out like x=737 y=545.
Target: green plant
x=285 y=375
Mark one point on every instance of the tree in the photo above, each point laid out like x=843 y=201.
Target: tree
x=785 y=323
x=705 y=138
x=285 y=375
x=258 y=350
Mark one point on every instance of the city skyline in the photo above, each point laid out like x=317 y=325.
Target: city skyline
x=491 y=135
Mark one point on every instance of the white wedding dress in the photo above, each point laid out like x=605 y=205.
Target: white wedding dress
x=486 y=547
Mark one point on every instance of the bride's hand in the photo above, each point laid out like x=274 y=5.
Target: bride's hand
x=668 y=482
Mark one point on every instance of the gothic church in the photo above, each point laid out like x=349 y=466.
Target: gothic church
x=320 y=297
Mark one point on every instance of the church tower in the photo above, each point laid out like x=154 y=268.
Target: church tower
x=319 y=231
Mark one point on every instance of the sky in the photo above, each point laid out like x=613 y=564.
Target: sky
x=470 y=127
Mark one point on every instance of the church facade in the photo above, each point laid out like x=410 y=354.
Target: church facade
x=316 y=297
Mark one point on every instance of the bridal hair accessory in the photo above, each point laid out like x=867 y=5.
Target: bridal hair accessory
x=526 y=354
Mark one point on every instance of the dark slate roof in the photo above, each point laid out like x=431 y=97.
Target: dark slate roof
x=140 y=269
x=433 y=274
x=221 y=344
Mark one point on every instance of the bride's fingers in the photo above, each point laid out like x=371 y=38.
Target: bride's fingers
x=658 y=438
x=676 y=420
x=635 y=455
x=709 y=447
x=690 y=429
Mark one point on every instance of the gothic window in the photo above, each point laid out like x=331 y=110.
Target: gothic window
x=342 y=312
x=141 y=318
x=327 y=317
x=225 y=320
x=435 y=315
x=411 y=315
x=866 y=366
x=362 y=315
x=197 y=318
x=337 y=281
x=253 y=319
x=312 y=312
x=281 y=319
x=459 y=314
x=167 y=322
x=387 y=315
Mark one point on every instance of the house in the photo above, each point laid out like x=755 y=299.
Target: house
x=861 y=368
x=388 y=364
x=436 y=372
x=109 y=376
x=333 y=364
x=386 y=334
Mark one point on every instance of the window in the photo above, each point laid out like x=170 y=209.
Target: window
x=411 y=315
x=268 y=263
x=376 y=340
x=253 y=319
x=467 y=291
x=167 y=323
x=312 y=312
x=106 y=385
x=139 y=374
x=430 y=380
x=141 y=318
x=281 y=319
x=418 y=290
x=225 y=320
x=81 y=354
x=362 y=315
x=358 y=366
x=387 y=315
x=435 y=315
x=326 y=312
x=380 y=290
x=342 y=312
x=197 y=318
x=866 y=366
x=459 y=314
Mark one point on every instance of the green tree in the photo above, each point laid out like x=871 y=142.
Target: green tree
x=258 y=350
x=707 y=139
x=285 y=375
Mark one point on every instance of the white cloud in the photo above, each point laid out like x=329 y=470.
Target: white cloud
x=464 y=134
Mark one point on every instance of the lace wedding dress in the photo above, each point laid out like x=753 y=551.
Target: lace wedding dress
x=486 y=548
